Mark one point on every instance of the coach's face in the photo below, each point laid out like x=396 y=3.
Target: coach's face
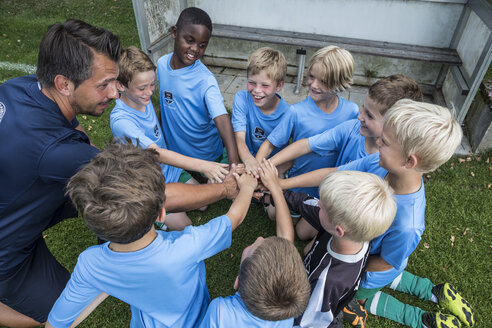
x=94 y=94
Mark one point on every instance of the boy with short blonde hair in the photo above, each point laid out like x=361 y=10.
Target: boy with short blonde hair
x=160 y=274
x=259 y=109
x=134 y=117
x=417 y=138
x=330 y=71
x=354 y=208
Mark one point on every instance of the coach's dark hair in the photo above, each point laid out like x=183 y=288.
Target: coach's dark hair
x=68 y=49
x=193 y=15
x=120 y=193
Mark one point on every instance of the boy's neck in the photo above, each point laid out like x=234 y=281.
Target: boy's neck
x=175 y=64
x=328 y=105
x=271 y=109
x=131 y=104
x=371 y=145
x=405 y=183
x=137 y=245
x=345 y=246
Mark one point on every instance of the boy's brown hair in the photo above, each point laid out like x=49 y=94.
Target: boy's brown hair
x=336 y=66
x=269 y=60
x=120 y=192
x=273 y=283
x=388 y=90
x=133 y=61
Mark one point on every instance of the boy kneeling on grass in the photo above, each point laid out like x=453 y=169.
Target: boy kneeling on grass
x=160 y=274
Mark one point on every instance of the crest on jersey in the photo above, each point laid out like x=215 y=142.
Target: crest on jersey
x=168 y=97
x=2 y=110
x=259 y=133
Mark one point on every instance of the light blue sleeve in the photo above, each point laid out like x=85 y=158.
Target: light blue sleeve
x=122 y=128
x=397 y=246
x=358 y=165
x=283 y=132
x=369 y=164
x=326 y=142
x=239 y=112
x=212 y=317
x=213 y=99
x=209 y=239
x=76 y=296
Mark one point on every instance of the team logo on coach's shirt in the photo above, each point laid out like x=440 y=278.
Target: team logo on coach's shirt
x=168 y=97
x=2 y=110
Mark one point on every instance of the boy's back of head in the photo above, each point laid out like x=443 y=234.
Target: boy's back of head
x=388 y=90
x=120 y=192
x=428 y=131
x=133 y=61
x=193 y=15
x=273 y=283
x=271 y=61
x=336 y=66
x=361 y=203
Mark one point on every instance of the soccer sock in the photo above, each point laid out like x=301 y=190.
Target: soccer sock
x=414 y=285
x=389 y=307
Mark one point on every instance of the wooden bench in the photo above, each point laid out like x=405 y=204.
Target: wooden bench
x=444 y=56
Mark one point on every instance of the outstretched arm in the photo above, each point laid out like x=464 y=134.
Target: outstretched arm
x=265 y=150
x=297 y=149
x=310 y=179
x=269 y=177
x=223 y=123
x=250 y=163
x=239 y=208
x=377 y=263
x=181 y=197
x=216 y=172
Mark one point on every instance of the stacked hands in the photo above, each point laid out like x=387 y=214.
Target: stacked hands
x=265 y=177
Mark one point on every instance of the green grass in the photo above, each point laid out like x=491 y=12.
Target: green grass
x=456 y=245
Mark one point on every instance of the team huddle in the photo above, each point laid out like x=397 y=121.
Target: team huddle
x=347 y=180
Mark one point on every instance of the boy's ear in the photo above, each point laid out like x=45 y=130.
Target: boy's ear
x=339 y=232
x=174 y=31
x=236 y=283
x=411 y=162
x=63 y=85
x=162 y=215
x=280 y=86
x=120 y=86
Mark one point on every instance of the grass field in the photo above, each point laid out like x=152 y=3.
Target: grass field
x=456 y=245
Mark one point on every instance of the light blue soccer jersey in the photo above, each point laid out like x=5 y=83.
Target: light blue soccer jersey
x=308 y=120
x=143 y=128
x=190 y=101
x=404 y=234
x=164 y=283
x=344 y=138
x=231 y=312
x=247 y=117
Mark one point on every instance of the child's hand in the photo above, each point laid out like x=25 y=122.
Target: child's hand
x=230 y=183
x=215 y=172
x=252 y=166
x=269 y=174
x=246 y=181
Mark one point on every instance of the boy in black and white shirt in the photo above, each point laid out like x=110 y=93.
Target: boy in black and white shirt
x=354 y=208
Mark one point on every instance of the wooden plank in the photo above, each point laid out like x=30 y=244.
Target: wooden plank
x=377 y=48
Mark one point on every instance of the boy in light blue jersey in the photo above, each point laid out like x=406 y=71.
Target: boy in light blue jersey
x=259 y=109
x=160 y=274
x=356 y=138
x=272 y=283
x=322 y=110
x=134 y=117
x=194 y=119
x=416 y=138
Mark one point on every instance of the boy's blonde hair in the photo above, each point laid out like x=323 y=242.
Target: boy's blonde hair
x=428 y=131
x=361 y=203
x=273 y=283
x=133 y=61
x=269 y=60
x=336 y=65
x=388 y=90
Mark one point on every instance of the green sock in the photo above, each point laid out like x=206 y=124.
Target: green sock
x=413 y=285
x=387 y=306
